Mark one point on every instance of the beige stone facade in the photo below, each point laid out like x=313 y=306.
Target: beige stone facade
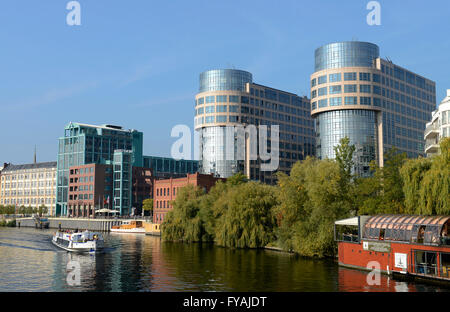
x=29 y=185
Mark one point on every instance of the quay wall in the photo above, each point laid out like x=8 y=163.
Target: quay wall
x=74 y=223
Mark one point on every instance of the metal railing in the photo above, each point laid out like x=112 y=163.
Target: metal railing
x=423 y=268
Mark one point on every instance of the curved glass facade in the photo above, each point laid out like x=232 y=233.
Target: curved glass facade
x=213 y=153
x=358 y=125
x=345 y=54
x=224 y=79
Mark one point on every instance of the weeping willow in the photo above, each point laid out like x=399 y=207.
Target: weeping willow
x=244 y=216
x=427 y=183
x=183 y=223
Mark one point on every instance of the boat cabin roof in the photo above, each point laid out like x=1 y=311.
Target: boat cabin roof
x=406 y=227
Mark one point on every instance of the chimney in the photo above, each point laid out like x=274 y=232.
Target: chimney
x=35 y=154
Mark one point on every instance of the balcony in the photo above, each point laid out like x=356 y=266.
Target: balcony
x=431 y=131
x=431 y=147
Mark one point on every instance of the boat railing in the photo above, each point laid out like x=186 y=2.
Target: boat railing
x=426 y=269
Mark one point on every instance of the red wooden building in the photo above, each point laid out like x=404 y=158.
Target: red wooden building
x=408 y=244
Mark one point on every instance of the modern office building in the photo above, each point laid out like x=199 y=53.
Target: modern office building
x=164 y=167
x=438 y=127
x=166 y=190
x=119 y=150
x=228 y=98
x=89 y=144
x=95 y=187
x=377 y=104
x=29 y=185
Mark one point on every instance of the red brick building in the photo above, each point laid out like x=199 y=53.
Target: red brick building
x=165 y=191
x=90 y=188
x=142 y=186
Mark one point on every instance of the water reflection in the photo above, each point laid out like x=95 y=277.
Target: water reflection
x=30 y=262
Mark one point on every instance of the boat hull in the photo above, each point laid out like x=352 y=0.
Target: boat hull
x=134 y=230
x=89 y=246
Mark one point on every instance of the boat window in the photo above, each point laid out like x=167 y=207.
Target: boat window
x=421 y=234
x=445 y=265
x=431 y=235
x=425 y=262
x=382 y=231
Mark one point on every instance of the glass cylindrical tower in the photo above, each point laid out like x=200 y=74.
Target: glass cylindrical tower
x=216 y=107
x=342 y=102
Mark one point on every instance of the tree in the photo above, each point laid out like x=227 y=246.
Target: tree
x=427 y=183
x=42 y=210
x=310 y=200
x=244 y=215
x=383 y=192
x=147 y=205
x=344 y=157
x=183 y=223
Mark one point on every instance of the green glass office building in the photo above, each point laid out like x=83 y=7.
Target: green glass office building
x=86 y=144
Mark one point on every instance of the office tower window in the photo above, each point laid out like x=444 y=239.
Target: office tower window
x=322 y=79
x=234 y=99
x=364 y=88
x=351 y=100
x=365 y=100
x=322 y=91
x=335 y=89
x=221 y=98
x=323 y=103
x=349 y=76
x=335 y=101
x=364 y=76
x=335 y=77
x=350 y=88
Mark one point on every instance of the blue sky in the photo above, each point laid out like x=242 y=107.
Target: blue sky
x=136 y=63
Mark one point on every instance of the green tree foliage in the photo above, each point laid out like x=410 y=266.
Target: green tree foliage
x=42 y=210
x=310 y=201
x=383 y=192
x=244 y=216
x=235 y=213
x=183 y=222
x=344 y=157
x=7 y=210
x=427 y=183
x=413 y=172
x=147 y=205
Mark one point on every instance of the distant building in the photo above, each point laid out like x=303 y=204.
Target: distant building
x=127 y=173
x=165 y=167
x=438 y=127
x=29 y=185
x=165 y=191
x=375 y=103
x=84 y=144
x=229 y=98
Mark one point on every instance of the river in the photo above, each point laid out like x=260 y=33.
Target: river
x=134 y=263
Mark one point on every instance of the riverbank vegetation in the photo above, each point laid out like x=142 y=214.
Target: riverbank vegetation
x=298 y=213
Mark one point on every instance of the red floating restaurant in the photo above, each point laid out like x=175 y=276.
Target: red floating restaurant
x=413 y=245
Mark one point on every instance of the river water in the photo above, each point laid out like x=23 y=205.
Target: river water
x=131 y=263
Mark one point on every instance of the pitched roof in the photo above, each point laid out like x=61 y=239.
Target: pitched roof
x=41 y=165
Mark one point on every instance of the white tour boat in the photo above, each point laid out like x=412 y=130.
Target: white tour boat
x=78 y=241
x=129 y=226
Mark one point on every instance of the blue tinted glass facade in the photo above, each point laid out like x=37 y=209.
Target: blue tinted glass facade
x=224 y=79
x=345 y=54
x=358 y=125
